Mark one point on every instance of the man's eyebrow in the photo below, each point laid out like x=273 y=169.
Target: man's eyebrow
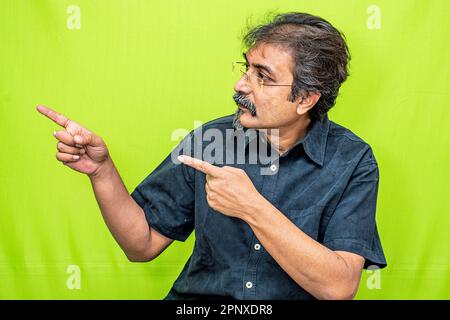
x=259 y=66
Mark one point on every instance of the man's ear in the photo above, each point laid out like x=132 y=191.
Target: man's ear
x=306 y=101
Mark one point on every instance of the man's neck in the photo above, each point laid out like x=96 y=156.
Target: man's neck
x=285 y=137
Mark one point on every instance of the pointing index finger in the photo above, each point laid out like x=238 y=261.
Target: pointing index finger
x=53 y=115
x=200 y=165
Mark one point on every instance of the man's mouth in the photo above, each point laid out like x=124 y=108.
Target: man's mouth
x=244 y=105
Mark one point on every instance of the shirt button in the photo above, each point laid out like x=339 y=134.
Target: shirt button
x=273 y=167
x=249 y=285
x=257 y=246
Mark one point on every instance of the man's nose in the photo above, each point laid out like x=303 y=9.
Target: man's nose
x=243 y=86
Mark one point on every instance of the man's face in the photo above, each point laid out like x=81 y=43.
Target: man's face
x=266 y=107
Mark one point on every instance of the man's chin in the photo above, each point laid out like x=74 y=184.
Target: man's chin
x=243 y=119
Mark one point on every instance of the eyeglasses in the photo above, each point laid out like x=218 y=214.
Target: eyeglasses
x=241 y=68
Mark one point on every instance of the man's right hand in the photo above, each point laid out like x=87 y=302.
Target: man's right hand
x=78 y=148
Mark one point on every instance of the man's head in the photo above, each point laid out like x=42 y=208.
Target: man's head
x=295 y=66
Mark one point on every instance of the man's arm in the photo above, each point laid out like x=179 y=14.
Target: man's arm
x=125 y=218
x=83 y=151
x=324 y=273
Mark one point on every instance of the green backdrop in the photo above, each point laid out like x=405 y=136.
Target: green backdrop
x=136 y=71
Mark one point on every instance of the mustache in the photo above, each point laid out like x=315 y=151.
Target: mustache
x=242 y=100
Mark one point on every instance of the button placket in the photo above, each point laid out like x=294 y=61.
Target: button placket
x=249 y=281
x=250 y=274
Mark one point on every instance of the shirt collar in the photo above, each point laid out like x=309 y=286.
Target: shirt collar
x=314 y=142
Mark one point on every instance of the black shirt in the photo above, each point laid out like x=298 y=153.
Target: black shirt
x=326 y=184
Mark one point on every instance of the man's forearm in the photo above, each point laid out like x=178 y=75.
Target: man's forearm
x=123 y=216
x=317 y=269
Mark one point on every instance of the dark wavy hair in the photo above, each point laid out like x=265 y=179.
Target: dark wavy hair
x=318 y=49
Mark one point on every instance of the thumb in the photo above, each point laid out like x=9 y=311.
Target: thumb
x=78 y=139
x=87 y=139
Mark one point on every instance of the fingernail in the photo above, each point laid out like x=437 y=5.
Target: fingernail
x=78 y=145
x=54 y=133
x=77 y=139
x=76 y=157
x=82 y=151
x=181 y=159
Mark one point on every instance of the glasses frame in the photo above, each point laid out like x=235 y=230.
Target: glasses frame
x=261 y=81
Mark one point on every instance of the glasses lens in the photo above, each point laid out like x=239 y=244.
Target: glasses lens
x=238 y=70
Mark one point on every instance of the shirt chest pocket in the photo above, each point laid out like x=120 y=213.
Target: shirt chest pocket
x=307 y=220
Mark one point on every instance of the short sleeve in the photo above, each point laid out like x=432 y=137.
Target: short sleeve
x=167 y=197
x=352 y=226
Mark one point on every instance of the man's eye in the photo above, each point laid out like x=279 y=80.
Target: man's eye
x=263 y=76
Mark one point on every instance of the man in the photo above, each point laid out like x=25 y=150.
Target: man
x=303 y=229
